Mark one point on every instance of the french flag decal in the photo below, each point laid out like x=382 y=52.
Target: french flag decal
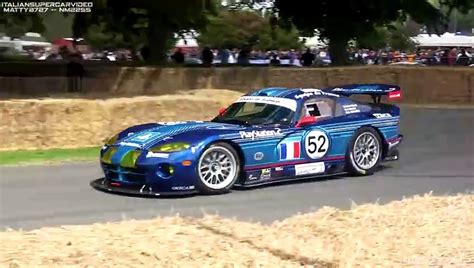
x=290 y=150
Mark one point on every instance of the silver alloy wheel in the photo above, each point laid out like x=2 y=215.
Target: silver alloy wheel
x=217 y=167
x=366 y=150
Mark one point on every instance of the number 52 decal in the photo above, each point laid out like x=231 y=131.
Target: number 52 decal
x=316 y=144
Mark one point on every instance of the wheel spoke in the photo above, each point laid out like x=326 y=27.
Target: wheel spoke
x=207 y=176
x=221 y=157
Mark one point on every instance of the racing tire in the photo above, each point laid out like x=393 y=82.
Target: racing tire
x=218 y=168
x=364 y=153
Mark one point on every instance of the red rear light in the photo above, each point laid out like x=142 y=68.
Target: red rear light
x=397 y=94
x=115 y=183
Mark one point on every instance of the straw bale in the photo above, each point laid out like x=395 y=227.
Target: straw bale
x=418 y=231
x=73 y=123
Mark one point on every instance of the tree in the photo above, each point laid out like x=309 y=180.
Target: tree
x=16 y=24
x=343 y=20
x=396 y=35
x=153 y=22
x=232 y=29
x=238 y=29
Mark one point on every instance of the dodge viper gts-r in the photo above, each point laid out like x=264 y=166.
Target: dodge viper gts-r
x=266 y=136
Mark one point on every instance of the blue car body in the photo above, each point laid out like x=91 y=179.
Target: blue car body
x=267 y=153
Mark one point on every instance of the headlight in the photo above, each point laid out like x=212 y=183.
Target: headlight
x=112 y=140
x=170 y=147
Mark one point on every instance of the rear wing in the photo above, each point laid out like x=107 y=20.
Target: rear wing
x=376 y=91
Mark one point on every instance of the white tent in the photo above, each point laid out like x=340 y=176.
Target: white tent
x=445 y=40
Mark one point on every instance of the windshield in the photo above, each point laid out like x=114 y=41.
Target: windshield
x=251 y=113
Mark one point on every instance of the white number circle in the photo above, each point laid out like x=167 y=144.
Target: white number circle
x=316 y=144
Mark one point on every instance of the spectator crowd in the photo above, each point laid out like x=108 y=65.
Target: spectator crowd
x=305 y=57
x=321 y=57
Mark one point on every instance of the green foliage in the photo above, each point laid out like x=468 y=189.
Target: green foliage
x=375 y=39
x=152 y=23
x=48 y=156
x=399 y=38
x=238 y=29
x=16 y=24
x=57 y=25
x=231 y=29
x=280 y=38
x=343 y=20
x=396 y=36
x=462 y=22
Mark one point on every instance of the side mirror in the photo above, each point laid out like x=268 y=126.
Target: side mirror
x=306 y=120
x=222 y=110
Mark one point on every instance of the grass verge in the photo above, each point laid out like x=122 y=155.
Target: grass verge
x=22 y=157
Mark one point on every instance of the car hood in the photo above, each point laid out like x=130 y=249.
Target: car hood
x=167 y=131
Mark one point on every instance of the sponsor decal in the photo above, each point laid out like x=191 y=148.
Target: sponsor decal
x=266 y=174
x=350 y=109
x=382 y=115
x=311 y=168
x=145 y=137
x=182 y=188
x=361 y=89
x=316 y=144
x=156 y=155
x=284 y=102
x=252 y=177
x=258 y=156
x=130 y=144
x=290 y=150
x=260 y=134
x=308 y=92
x=277 y=172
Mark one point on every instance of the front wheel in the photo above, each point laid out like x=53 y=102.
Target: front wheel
x=218 y=168
x=364 y=152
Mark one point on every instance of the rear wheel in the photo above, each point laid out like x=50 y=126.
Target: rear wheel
x=218 y=168
x=364 y=152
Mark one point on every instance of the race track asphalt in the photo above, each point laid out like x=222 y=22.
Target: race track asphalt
x=437 y=155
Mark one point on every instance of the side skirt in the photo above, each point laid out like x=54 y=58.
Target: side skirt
x=333 y=169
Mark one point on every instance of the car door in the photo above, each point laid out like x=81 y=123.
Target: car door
x=310 y=144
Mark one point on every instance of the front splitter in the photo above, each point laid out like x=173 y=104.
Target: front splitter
x=105 y=185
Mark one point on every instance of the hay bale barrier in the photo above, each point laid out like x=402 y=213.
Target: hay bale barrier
x=417 y=231
x=74 y=123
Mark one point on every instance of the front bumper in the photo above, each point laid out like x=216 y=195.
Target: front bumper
x=146 y=175
x=106 y=185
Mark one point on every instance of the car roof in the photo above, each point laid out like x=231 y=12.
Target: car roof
x=291 y=93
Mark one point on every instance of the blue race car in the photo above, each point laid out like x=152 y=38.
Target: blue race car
x=269 y=135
